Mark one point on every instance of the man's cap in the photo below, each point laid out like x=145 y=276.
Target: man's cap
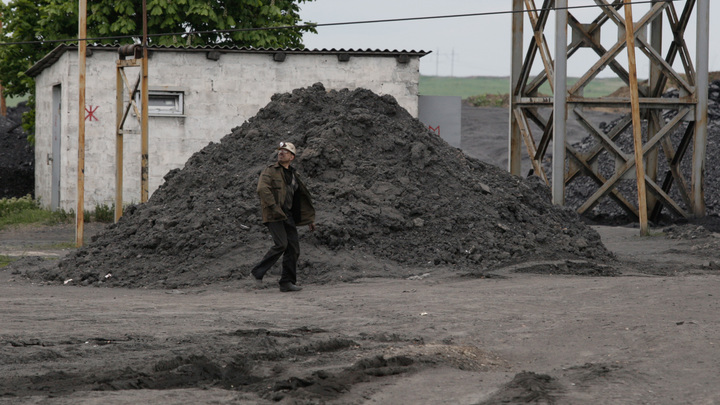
x=287 y=146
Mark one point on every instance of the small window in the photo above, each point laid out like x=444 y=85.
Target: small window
x=164 y=102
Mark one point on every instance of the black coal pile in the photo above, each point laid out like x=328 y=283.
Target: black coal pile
x=608 y=211
x=392 y=199
x=17 y=156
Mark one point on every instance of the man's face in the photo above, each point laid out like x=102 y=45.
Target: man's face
x=285 y=157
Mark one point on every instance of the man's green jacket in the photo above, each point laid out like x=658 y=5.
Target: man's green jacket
x=271 y=189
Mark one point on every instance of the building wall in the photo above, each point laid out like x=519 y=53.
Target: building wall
x=57 y=74
x=219 y=95
x=442 y=115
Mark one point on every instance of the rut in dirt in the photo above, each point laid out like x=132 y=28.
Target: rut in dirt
x=392 y=198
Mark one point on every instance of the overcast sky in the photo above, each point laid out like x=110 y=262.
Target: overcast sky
x=468 y=46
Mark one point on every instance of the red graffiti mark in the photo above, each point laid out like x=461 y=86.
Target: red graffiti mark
x=91 y=113
x=436 y=129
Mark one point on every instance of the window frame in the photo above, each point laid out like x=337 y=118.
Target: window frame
x=177 y=110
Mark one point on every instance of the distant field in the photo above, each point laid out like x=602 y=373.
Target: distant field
x=472 y=86
x=14 y=101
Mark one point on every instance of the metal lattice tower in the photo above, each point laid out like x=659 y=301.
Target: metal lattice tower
x=687 y=117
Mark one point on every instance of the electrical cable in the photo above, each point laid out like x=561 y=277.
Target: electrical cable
x=335 y=24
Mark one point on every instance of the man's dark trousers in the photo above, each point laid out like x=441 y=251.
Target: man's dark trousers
x=285 y=238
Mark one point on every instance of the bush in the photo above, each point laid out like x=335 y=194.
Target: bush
x=25 y=210
x=489 y=100
x=9 y=206
x=104 y=213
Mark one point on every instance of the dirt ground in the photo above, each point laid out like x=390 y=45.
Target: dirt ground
x=648 y=336
x=500 y=297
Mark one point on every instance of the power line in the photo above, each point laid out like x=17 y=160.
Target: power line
x=335 y=24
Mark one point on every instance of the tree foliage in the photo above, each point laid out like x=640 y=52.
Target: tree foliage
x=47 y=20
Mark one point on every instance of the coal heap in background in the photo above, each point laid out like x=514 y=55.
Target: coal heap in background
x=17 y=156
x=609 y=212
x=392 y=198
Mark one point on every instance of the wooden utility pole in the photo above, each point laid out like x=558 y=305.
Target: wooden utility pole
x=144 y=171
x=82 y=49
x=636 y=122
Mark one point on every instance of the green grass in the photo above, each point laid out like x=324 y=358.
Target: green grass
x=61 y=245
x=103 y=213
x=489 y=100
x=25 y=210
x=467 y=87
x=5 y=260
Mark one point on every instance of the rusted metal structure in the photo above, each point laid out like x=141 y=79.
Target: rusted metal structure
x=687 y=117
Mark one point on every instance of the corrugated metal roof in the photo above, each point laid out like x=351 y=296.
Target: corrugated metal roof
x=52 y=57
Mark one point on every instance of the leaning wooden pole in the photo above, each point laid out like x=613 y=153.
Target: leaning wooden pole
x=82 y=49
x=637 y=124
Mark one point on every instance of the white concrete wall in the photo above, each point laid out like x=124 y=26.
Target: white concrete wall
x=64 y=73
x=219 y=95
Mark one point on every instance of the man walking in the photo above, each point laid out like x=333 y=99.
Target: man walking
x=285 y=203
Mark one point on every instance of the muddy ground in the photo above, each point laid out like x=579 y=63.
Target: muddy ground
x=649 y=335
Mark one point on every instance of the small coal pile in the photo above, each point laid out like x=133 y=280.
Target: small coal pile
x=608 y=211
x=17 y=157
x=392 y=198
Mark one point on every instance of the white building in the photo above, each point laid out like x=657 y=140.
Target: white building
x=197 y=95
